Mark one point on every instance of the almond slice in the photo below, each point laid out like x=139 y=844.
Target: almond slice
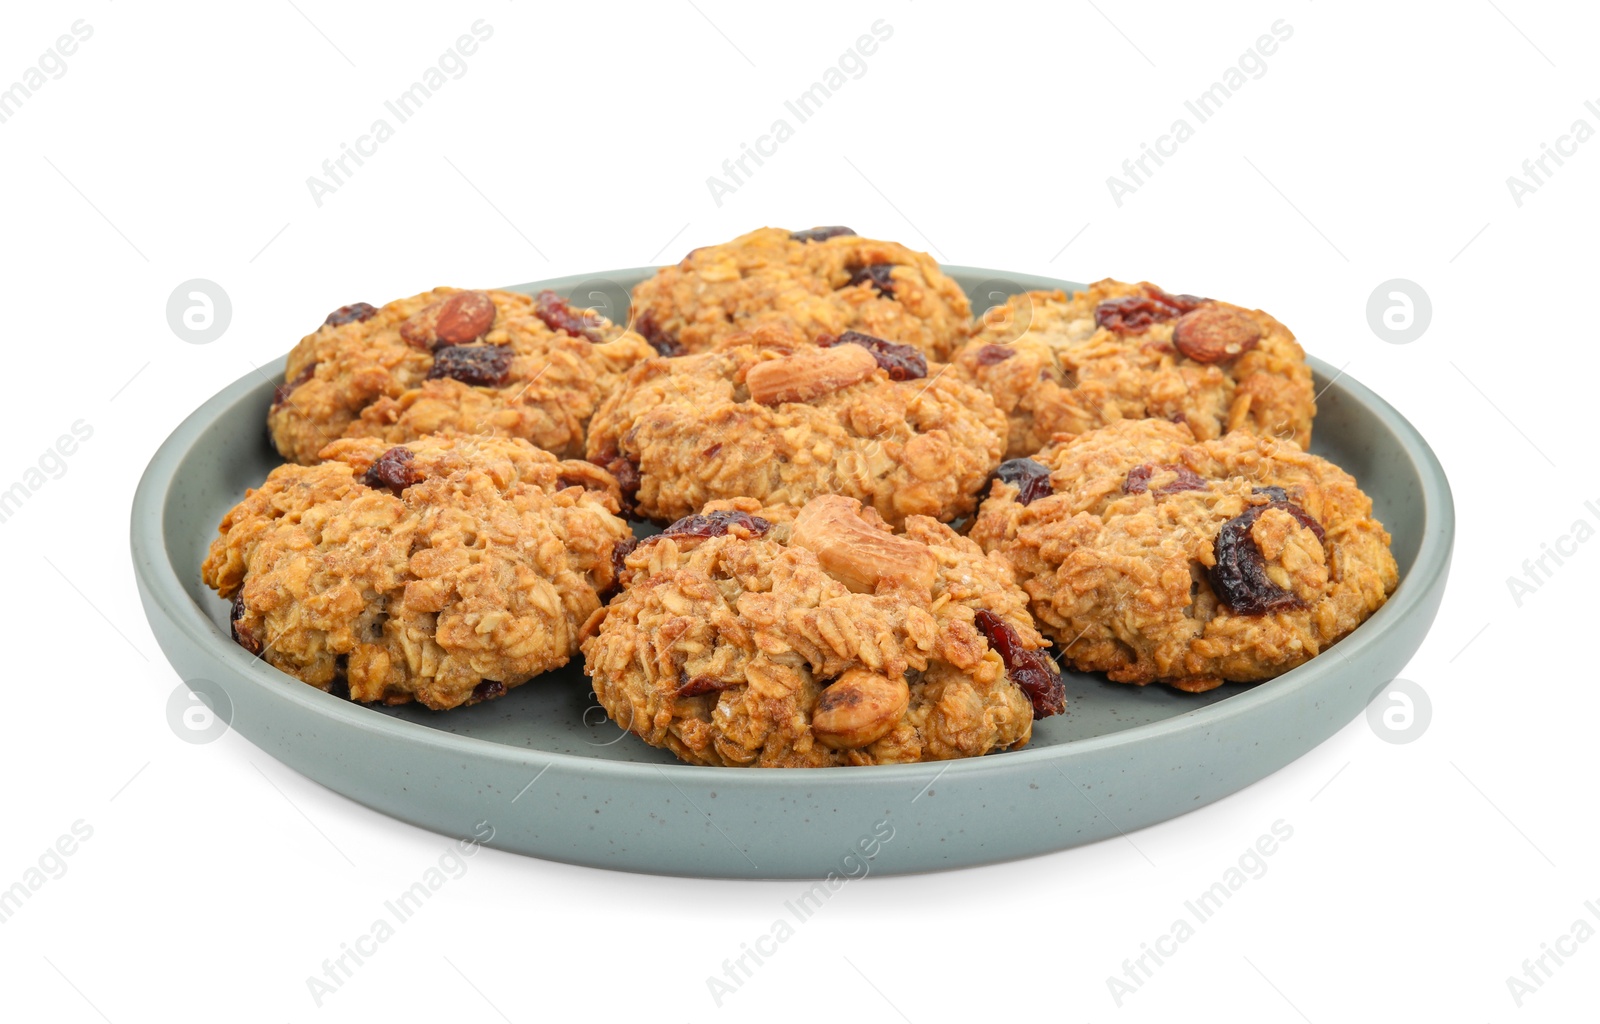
x=457 y=319
x=809 y=374
x=1213 y=334
x=464 y=317
x=855 y=552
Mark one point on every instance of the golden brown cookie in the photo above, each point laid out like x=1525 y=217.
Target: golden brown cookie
x=451 y=361
x=773 y=417
x=821 y=281
x=444 y=570
x=1154 y=557
x=771 y=637
x=1059 y=365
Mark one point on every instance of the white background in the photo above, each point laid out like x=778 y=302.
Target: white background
x=1376 y=146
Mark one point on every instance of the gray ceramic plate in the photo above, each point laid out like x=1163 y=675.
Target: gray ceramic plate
x=556 y=779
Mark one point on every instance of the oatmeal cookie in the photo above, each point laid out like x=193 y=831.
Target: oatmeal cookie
x=444 y=570
x=451 y=361
x=821 y=281
x=1060 y=365
x=765 y=636
x=1154 y=557
x=771 y=416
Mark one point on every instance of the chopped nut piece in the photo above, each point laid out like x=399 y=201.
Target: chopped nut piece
x=858 y=708
x=454 y=320
x=418 y=329
x=809 y=373
x=464 y=317
x=855 y=552
x=1212 y=334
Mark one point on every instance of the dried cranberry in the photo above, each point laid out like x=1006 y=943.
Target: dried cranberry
x=488 y=689
x=281 y=393
x=711 y=453
x=1239 y=576
x=623 y=468
x=241 y=636
x=479 y=365
x=664 y=343
x=393 y=469
x=353 y=313
x=558 y=315
x=819 y=234
x=716 y=524
x=627 y=475
x=1133 y=313
x=1139 y=480
x=1034 y=671
x=878 y=275
x=1031 y=479
x=619 y=559
x=902 y=361
x=988 y=355
x=704 y=684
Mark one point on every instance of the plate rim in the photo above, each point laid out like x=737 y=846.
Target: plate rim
x=156 y=573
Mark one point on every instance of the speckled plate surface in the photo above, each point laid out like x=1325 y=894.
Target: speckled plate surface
x=557 y=780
